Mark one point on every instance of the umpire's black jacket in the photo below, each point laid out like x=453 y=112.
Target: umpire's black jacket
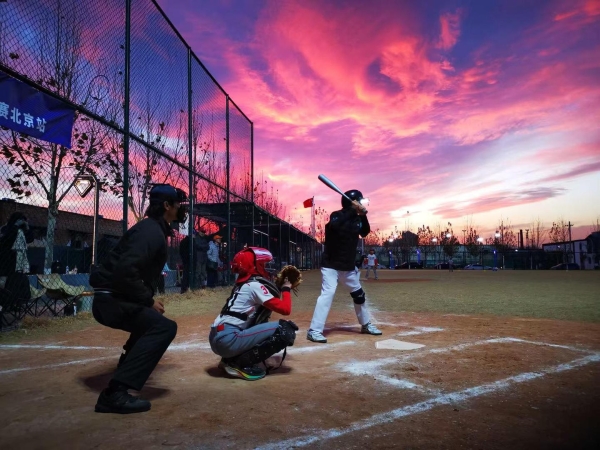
x=135 y=262
x=341 y=238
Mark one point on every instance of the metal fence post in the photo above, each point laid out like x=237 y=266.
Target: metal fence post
x=191 y=193
x=126 y=114
x=228 y=250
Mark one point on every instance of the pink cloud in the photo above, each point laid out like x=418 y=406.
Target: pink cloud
x=450 y=29
x=498 y=201
x=373 y=97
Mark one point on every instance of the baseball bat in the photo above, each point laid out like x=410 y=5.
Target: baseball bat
x=330 y=184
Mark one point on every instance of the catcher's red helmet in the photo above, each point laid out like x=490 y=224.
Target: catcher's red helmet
x=251 y=261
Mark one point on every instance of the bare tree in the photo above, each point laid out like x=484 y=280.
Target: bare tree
x=472 y=244
x=60 y=67
x=425 y=237
x=559 y=234
x=559 y=231
x=321 y=219
x=449 y=241
x=538 y=233
x=374 y=238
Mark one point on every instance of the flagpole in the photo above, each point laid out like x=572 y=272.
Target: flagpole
x=312 y=218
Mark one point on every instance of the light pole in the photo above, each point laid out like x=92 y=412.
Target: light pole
x=434 y=240
x=497 y=236
x=480 y=240
x=84 y=184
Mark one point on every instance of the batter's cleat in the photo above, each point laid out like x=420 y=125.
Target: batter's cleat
x=316 y=336
x=370 y=329
x=121 y=402
x=246 y=373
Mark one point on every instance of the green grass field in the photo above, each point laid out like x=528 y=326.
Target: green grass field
x=557 y=295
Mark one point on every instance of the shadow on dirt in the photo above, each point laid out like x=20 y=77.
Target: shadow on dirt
x=99 y=380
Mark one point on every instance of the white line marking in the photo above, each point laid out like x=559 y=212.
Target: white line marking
x=405 y=384
x=52 y=366
x=189 y=345
x=420 y=330
x=368 y=367
x=445 y=399
x=317 y=347
x=567 y=347
x=52 y=347
x=357 y=326
x=389 y=324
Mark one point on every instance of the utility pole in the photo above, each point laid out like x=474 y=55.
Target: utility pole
x=571 y=244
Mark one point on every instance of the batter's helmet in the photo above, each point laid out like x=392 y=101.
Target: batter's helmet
x=251 y=261
x=354 y=194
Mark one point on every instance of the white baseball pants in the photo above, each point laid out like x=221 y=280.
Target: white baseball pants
x=331 y=277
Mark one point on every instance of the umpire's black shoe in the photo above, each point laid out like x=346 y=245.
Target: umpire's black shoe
x=121 y=402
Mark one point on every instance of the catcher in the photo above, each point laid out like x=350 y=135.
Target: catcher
x=241 y=333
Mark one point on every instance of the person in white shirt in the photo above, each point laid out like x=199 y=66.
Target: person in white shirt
x=372 y=264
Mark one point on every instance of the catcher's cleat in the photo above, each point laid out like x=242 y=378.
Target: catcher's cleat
x=247 y=373
x=370 y=329
x=316 y=336
x=120 y=402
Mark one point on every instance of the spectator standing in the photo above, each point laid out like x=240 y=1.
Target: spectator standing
x=212 y=263
x=372 y=264
x=199 y=250
x=14 y=237
x=202 y=245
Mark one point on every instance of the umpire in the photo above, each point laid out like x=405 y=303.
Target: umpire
x=124 y=299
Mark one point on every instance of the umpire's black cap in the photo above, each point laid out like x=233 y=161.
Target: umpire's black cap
x=167 y=193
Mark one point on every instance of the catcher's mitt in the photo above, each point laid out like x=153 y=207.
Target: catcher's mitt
x=292 y=274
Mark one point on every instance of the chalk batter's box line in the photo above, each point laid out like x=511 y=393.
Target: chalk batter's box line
x=179 y=347
x=370 y=367
x=202 y=344
x=440 y=399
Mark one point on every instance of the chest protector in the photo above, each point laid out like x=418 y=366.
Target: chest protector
x=262 y=314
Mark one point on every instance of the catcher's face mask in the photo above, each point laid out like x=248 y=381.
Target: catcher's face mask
x=251 y=261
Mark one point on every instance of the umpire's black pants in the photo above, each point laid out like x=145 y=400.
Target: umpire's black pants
x=151 y=334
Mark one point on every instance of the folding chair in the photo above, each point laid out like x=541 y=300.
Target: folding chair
x=59 y=295
x=13 y=308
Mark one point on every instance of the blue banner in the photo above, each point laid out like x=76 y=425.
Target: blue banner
x=29 y=111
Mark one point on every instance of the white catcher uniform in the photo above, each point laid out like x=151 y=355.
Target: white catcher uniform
x=230 y=335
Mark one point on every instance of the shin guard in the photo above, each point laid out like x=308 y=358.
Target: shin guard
x=283 y=337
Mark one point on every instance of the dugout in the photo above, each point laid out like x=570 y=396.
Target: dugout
x=252 y=225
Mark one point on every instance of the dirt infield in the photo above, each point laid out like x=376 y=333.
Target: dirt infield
x=480 y=381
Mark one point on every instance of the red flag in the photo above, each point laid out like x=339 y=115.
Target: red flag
x=308 y=203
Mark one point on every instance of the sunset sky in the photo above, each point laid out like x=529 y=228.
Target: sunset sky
x=452 y=111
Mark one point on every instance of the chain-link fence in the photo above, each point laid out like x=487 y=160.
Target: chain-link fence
x=147 y=111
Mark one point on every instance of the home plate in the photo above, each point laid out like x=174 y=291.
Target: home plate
x=394 y=344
